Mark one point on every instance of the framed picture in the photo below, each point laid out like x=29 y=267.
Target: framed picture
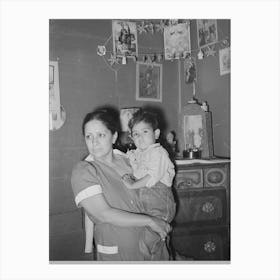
x=125 y=115
x=190 y=70
x=207 y=32
x=124 y=38
x=148 y=81
x=177 y=41
x=224 y=58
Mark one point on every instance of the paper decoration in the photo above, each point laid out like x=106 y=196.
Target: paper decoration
x=200 y=54
x=141 y=28
x=176 y=40
x=101 y=50
x=113 y=59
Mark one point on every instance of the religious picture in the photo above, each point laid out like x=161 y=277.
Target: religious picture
x=190 y=70
x=207 y=32
x=124 y=38
x=193 y=131
x=177 y=41
x=148 y=81
x=224 y=57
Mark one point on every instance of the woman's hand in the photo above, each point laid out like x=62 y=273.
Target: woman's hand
x=160 y=226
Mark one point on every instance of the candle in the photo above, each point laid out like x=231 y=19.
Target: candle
x=50 y=121
x=193 y=89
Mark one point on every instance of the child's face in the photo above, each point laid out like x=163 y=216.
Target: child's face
x=143 y=135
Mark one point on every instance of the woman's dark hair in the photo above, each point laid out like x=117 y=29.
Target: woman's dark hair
x=143 y=116
x=107 y=116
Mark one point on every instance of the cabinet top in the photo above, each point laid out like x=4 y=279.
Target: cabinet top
x=182 y=161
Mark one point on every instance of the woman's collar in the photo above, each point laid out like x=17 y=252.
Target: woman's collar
x=115 y=151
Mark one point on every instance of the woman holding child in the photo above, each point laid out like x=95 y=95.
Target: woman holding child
x=124 y=229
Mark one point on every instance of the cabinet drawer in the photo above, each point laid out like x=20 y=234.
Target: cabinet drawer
x=202 y=244
x=215 y=177
x=192 y=178
x=201 y=206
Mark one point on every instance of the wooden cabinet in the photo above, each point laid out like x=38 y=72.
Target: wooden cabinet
x=201 y=228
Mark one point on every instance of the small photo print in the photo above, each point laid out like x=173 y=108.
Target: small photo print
x=124 y=38
x=224 y=57
x=207 y=32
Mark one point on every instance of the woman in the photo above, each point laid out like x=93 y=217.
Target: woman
x=115 y=210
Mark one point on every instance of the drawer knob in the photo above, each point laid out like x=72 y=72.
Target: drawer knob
x=208 y=207
x=185 y=184
x=210 y=247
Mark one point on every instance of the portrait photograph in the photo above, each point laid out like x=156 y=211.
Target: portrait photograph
x=207 y=32
x=124 y=38
x=148 y=81
x=170 y=195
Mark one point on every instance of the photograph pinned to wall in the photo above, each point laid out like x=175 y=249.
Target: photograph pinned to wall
x=224 y=58
x=190 y=70
x=125 y=115
x=57 y=114
x=124 y=38
x=177 y=42
x=148 y=81
x=207 y=32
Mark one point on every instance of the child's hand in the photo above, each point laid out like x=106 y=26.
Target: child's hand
x=128 y=180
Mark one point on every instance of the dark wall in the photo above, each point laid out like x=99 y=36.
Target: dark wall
x=86 y=81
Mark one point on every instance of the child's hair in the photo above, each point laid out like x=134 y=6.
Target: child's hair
x=106 y=116
x=143 y=116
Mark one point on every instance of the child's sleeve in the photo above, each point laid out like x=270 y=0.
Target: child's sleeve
x=84 y=182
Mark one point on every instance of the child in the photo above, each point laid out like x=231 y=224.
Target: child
x=153 y=171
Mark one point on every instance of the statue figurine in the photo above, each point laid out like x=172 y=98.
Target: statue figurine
x=172 y=142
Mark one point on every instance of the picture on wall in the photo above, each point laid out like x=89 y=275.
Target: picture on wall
x=124 y=38
x=125 y=115
x=224 y=58
x=148 y=81
x=177 y=41
x=207 y=32
x=190 y=70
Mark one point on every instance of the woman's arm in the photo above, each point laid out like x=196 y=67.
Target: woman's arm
x=97 y=207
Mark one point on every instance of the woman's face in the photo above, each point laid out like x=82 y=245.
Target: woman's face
x=99 y=139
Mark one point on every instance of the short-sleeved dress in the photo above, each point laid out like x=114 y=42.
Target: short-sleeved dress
x=114 y=243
